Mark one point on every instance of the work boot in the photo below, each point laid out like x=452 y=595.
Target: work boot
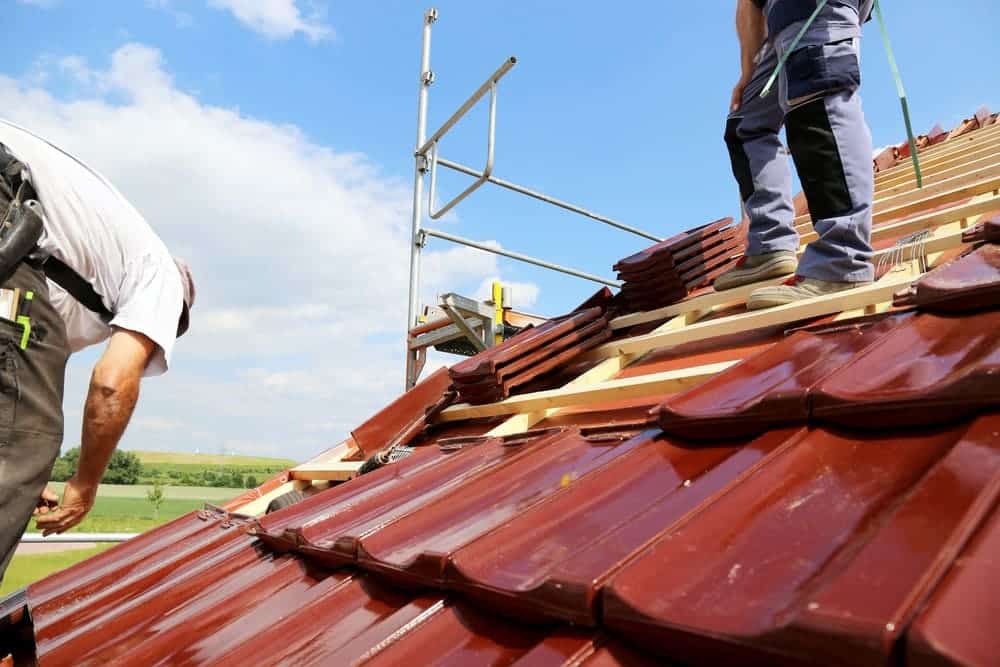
x=755 y=268
x=796 y=288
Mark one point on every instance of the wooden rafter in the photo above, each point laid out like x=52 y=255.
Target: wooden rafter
x=654 y=384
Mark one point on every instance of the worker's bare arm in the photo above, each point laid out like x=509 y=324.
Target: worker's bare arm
x=114 y=390
x=751 y=29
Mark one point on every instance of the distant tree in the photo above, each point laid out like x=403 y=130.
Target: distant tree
x=251 y=482
x=72 y=458
x=155 y=497
x=124 y=468
x=61 y=471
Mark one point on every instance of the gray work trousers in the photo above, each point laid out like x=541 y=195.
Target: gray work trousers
x=817 y=101
x=31 y=417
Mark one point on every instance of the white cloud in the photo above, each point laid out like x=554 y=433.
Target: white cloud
x=155 y=423
x=300 y=254
x=276 y=19
x=181 y=19
x=44 y=4
x=524 y=296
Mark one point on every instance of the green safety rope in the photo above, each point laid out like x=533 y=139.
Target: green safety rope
x=902 y=93
x=892 y=64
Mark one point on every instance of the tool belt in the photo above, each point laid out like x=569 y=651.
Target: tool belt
x=21 y=227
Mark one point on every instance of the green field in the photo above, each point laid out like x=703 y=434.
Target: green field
x=124 y=509
x=119 y=509
x=207 y=460
x=208 y=469
x=25 y=570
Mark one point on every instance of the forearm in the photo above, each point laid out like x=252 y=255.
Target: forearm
x=751 y=29
x=109 y=408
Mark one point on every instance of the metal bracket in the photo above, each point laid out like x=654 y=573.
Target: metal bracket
x=458 y=307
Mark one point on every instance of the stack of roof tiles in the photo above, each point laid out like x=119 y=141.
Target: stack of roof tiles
x=832 y=498
x=668 y=271
x=494 y=374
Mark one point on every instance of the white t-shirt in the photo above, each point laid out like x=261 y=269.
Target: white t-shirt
x=93 y=229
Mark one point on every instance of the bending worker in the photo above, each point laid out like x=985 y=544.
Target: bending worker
x=110 y=277
x=816 y=99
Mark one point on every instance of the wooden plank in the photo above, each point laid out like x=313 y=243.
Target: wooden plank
x=984 y=203
x=984 y=153
x=945 y=192
x=963 y=169
x=938 y=197
x=654 y=384
x=758 y=319
x=602 y=372
x=706 y=303
x=337 y=471
x=259 y=506
x=948 y=148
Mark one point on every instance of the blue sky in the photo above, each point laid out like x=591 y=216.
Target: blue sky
x=270 y=141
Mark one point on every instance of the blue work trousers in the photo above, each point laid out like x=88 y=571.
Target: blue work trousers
x=816 y=99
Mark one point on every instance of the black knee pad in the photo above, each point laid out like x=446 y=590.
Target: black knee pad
x=739 y=158
x=817 y=160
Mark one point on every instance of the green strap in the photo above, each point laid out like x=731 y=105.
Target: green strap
x=902 y=93
x=791 y=47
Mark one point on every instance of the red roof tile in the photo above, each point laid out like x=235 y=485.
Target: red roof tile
x=833 y=498
x=827 y=550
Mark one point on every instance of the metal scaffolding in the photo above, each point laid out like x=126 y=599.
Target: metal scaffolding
x=427 y=159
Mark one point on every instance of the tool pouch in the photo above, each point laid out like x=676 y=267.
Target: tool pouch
x=19 y=234
x=816 y=71
x=21 y=220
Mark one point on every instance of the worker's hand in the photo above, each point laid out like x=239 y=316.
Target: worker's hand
x=47 y=502
x=78 y=499
x=737 y=99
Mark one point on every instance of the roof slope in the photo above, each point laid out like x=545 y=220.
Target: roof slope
x=817 y=484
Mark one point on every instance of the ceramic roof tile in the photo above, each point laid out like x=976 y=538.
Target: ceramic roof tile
x=402 y=419
x=958 y=624
x=865 y=533
x=969 y=283
x=930 y=369
x=801 y=559
x=770 y=388
x=554 y=558
x=419 y=547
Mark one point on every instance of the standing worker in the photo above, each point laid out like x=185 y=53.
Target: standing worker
x=817 y=100
x=110 y=277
